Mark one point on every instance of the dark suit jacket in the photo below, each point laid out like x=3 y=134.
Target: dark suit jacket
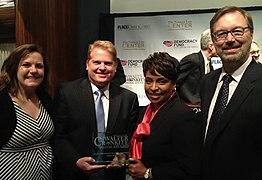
x=234 y=150
x=75 y=123
x=192 y=69
x=173 y=149
x=120 y=77
x=8 y=117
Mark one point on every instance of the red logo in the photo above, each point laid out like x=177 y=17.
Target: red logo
x=168 y=43
x=123 y=62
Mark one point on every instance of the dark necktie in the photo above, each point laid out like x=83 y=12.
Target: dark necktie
x=221 y=103
x=100 y=118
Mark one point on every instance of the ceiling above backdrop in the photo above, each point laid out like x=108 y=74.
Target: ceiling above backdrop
x=6 y=3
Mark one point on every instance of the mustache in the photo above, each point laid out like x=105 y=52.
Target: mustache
x=231 y=45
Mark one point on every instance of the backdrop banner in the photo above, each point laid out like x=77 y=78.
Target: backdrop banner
x=138 y=36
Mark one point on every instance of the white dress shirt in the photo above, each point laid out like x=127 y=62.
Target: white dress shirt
x=237 y=75
x=105 y=100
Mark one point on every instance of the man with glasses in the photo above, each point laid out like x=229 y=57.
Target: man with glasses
x=231 y=101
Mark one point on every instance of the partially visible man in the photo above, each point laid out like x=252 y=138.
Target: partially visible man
x=193 y=67
x=254 y=50
x=120 y=77
x=76 y=119
x=233 y=138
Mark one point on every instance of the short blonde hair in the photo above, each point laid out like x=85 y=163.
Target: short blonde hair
x=105 y=45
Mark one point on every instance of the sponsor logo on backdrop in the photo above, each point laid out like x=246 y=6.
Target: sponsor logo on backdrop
x=133 y=45
x=168 y=43
x=186 y=43
x=132 y=63
x=123 y=62
x=182 y=43
x=135 y=79
x=179 y=25
x=133 y=27
x=216 y=62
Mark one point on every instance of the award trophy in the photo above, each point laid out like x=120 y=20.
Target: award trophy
x=110 y=149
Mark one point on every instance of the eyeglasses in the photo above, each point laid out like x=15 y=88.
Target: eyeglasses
x=236 y=32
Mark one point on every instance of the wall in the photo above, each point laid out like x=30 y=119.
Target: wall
x=5 y=50
x=52 y=25
x=88 y=27
x=7 y=24
x=133 y=6
x=7 y=32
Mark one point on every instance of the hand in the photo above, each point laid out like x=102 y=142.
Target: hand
x=84 y=164
x=136 y=168
x=114 y=166
x=119 y=161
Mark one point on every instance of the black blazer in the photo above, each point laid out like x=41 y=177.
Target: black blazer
x=8 y=117
x=75 y=123
x=173 y=149
x=234 y=150
x=192 y=69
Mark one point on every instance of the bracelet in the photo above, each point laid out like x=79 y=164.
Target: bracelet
x=148 y=174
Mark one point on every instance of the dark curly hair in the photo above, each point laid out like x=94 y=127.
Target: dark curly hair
x=162 y=63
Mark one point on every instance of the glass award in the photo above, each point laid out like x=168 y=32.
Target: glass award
x=110 y=148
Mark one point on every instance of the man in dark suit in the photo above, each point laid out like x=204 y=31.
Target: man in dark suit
x=233 y=139
x=76 y=121
x=193 y=67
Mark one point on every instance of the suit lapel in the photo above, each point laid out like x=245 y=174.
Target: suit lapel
x=209 y=91
x=202 y=63
x=211 y=66
x=161 y=114
x=87 y=103
x=115 y=99
x=244 y=88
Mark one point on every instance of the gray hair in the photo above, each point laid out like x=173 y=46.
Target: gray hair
x=205 y=39
x=255 y=42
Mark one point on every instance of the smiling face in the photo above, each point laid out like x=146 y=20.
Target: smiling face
x=233 y=50
x=30 y=72
x=101 y=67
x=158 y=88
x=255 y=51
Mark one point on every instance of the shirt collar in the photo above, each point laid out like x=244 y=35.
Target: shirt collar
x=205 y=58
x=105 y=89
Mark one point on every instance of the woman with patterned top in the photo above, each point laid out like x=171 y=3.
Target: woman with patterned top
x=25 y=124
